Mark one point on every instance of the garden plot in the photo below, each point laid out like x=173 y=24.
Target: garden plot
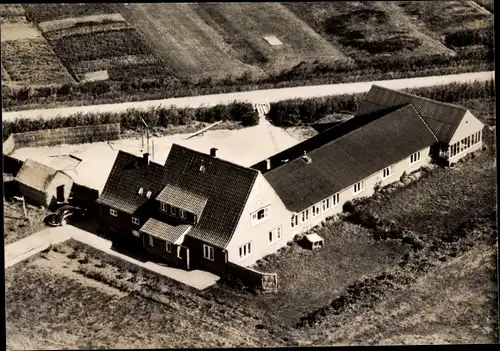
x=67 y=23
x=48 y=12
x=103 y=50
x=12 y=13
x=374 y=28
x=32 y=61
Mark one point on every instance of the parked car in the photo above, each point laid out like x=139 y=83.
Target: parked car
x=64 y=213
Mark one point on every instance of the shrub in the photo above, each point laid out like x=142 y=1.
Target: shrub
x=129 y=119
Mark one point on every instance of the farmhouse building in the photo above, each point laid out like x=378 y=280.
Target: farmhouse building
x=43 y=185
x=199 y=211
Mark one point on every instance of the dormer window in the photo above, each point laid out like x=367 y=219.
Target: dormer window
x=148 y=194
x=173 y=210
x=182 y=213
x=306 y=158
x=141 y=191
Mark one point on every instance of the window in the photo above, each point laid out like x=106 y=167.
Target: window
x=315 y=210
x=168 y=247
x=260 y=215
x=305 y=215
x=326 y=204
x=275 y=235
x=112 y=212
x=151 y=241
x=182 y=213
x=148 y=194
x=468 y=142
x=245 y=250
x=163 y=207
x=173 y=210
x=208 y=252
x=359 y=187
x=135 y=220
x=135 y=233
x=294 y=221
x=335 y=200
x=387 y=172
x=141 y=190
x=414 y=158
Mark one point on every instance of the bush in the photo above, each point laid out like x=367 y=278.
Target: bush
x=307 y=111
x=129 y=120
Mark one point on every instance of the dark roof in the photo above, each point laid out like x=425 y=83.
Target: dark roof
x=316 y=141
x=183 y=198
x=35 y=175
x=442 y=118
x=163 y=230
x=225 y=185
x=128 y=175
x=344 y=158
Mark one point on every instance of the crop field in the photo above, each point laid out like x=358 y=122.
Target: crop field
x=367 y=28
x=49 y=12
x=457 y=24
x=32 y=61
x=12 y=13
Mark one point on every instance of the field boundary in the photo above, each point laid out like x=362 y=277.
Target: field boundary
x=70 y=135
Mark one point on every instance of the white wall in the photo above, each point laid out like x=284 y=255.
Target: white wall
x=370 y=182
x=262 y=194
x=467 y=127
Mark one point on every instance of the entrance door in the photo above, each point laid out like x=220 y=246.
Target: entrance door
x=183 y=257
x=60 y=193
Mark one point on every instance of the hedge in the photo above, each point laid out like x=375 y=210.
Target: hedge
x=307 y=111
x=131 y=119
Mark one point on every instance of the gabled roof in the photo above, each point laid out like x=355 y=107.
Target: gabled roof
x=128 y=175
x=350 y=155
x=225 y=185
x=165 y=231
x=183 y=198
x=442 y=118
x=36 y=175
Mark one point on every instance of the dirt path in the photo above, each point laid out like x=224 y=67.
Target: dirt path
x=256 y=96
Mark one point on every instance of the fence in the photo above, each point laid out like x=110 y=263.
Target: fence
x=268 y=282
x=72 y=135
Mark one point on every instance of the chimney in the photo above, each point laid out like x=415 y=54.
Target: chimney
x=213 y=152
x=268 y=164
x=145 y=158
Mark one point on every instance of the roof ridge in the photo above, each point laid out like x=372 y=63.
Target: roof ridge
x=217 y=158
x=425 y=123
x=344 y=135
x=421 y=97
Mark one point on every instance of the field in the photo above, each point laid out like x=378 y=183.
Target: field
x=32 y=61
x=368 y=28
x=141 y=50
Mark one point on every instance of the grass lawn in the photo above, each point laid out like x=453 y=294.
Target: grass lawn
x=455 y=303
x=15 y=227
x=51 y=303
x=310 y=279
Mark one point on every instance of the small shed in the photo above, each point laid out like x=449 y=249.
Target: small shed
x=42 y=185
x=314 y=241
